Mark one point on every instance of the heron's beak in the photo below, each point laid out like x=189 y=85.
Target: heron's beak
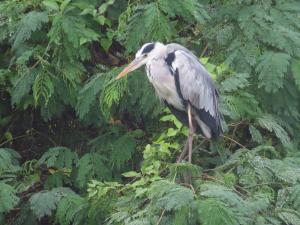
x=135 y=64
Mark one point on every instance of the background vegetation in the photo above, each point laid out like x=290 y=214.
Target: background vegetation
x=77 y=147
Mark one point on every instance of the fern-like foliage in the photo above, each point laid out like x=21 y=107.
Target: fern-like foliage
x=148 y=17
x=269 y=122
x=57 y=82
x=170 y=196
x=239 y=81
x=23 y=86
x=25 y=216
x=271 y=70
x=91 y=166
x=213 y=212
x=88 y=95
x=31 y=22
x=44 y=203
x=263 y=42
x=9 y=160
x=296 y=72
x=222 y=193
x=68 y=209
x=255 y=134
x=43 y=87
x=112 y=92
x=76 y=31
x=240 y=105
x=156 y=17
x=122 y=150
x=295 y=196
x=8 y=197
x=189 y=10
x=289 y=216
x=59 y=157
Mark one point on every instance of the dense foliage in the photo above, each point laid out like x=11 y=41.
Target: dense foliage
x=78 y=147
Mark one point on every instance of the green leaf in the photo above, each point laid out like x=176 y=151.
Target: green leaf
x=64 y=4
x=103 y=8
x=106 y=42
x=171 y=132
x=51 y=4
x=131 y=174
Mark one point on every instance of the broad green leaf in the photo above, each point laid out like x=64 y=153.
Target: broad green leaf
x=64 y=5
x=131 y=174
x=51 y=4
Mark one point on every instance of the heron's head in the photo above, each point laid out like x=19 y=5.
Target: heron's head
x=147 y=52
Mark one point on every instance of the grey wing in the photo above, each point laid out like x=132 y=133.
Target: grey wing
x=197 y=87
x=174 y=47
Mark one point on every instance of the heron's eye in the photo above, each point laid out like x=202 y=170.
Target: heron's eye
x=145 y=55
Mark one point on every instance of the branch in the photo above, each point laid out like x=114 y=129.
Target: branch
x=7 y=141
x=161 y=216
x=229 y=138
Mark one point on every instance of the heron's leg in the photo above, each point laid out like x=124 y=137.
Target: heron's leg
x=191 y=132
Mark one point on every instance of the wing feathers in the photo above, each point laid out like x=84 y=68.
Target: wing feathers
x=196 y=87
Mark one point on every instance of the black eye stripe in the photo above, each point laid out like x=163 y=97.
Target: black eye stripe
x=148 y=48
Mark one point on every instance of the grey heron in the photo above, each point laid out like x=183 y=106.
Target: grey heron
x=184 y=85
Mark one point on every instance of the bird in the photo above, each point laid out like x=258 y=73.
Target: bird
x=185 y=86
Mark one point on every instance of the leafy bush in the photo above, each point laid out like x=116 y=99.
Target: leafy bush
x=78 y=147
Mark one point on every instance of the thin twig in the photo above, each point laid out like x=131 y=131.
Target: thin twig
x=204 y=50
x=229 y=138
x=161 y=216
x=266 y=183
x=190 y=186
x=237 y=123
x=222 y=182
x=7 y=141
x=45 y=136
